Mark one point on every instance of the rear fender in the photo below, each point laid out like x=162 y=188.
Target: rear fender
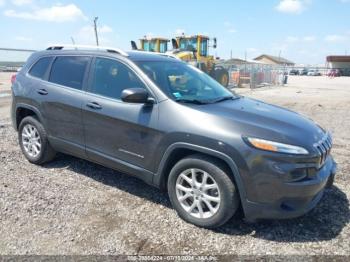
x=31 y=108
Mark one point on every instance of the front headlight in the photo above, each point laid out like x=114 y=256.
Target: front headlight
x=275 y=146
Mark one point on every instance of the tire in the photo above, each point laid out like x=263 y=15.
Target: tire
x=221 y=75
x=38 y=155
x=330 y=181
x=224 y=190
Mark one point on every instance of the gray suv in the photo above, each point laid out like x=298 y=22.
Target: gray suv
x=171 y=125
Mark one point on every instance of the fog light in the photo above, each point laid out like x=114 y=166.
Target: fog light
x=298 y=174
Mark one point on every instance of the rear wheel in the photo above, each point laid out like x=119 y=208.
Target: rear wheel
x=202 y=192
x=33 y=141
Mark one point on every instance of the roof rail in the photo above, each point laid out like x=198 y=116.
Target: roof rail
x=157 y=53
x=169 y=55
x=87 y=47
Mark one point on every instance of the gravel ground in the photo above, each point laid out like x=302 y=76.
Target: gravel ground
x=71 y=206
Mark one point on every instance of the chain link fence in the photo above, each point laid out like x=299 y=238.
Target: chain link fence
x=256 y=75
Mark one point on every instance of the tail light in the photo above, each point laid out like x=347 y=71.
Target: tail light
x=13 y=79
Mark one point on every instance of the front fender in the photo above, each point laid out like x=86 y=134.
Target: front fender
x=159 y=177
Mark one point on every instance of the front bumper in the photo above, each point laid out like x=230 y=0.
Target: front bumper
x=280 y=199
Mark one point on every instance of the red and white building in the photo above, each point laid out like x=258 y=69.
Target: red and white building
x=338 y=62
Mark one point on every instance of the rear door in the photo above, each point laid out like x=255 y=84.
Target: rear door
x=61 y=98
x=118 y=134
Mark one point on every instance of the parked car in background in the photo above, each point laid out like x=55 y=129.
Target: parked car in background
x=313 y=72
x=304 y=72
x=13 y=78
x=294 y=72
x=345 y=72
x=334 y=73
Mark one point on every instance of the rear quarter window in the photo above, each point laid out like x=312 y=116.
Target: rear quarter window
x=40 y=68
x=69 y=71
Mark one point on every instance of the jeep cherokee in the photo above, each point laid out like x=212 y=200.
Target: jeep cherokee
x=171 y=125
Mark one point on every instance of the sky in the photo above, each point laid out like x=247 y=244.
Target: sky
x=304 y=31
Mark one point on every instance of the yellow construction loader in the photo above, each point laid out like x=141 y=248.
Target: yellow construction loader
x=195 y=50
x=192 y=49
x=153 y=44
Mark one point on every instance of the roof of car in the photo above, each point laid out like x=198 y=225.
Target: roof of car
x=132 y=55
x=149 y=56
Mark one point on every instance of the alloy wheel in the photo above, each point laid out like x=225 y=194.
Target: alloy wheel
x=31 y=140
x=198 y=193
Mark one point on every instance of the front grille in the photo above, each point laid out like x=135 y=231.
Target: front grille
x=323 y=147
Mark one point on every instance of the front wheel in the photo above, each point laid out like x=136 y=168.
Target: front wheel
x=202 y=192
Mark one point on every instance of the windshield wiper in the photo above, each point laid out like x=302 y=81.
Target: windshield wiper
x=224 y=98
x=191 y=101
x=209 y=101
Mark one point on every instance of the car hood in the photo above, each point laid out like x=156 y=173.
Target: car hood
x=254 y=118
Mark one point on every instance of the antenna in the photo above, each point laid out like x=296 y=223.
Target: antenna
x=95 y=28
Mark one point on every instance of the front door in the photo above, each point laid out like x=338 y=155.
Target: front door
x=118 y=134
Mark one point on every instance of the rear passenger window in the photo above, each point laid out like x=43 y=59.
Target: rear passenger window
x=112 y=77
x=40 y=68
x=69 y=71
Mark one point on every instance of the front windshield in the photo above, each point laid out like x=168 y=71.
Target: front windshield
x=150 y=46
x=188 y=44
x=185 y=83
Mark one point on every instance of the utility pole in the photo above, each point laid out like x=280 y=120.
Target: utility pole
x=95 y=27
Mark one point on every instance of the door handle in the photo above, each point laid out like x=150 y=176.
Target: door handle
x=94 y=105
x=42 y=92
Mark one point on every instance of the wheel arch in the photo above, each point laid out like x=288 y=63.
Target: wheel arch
x=24 y=110
x=178 y=151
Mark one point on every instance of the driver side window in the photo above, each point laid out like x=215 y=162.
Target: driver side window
x=111 y=77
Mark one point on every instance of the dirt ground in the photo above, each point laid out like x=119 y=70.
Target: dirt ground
x=71 y=206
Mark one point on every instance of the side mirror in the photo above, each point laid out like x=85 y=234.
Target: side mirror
x=215 y=43
x=137 y=96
